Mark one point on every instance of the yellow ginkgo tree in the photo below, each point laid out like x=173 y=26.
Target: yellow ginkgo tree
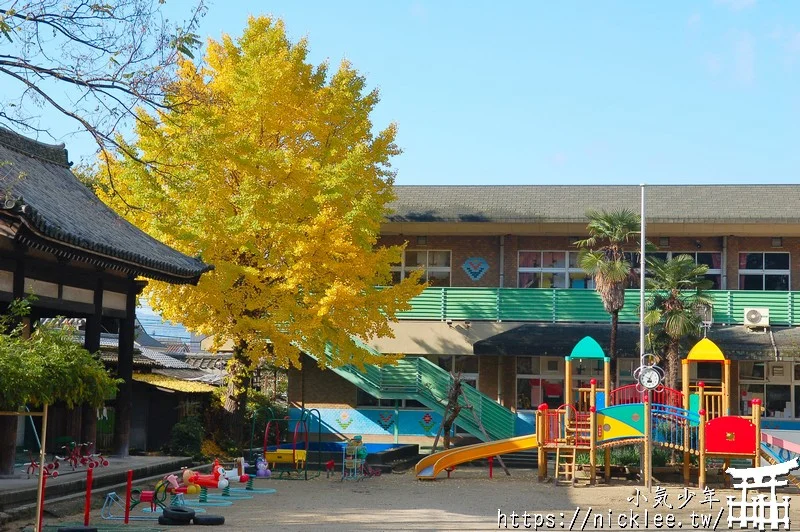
x=269 y=168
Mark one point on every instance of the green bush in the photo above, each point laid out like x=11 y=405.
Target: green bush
x=187 y=437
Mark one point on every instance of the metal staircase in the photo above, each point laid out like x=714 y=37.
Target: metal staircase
x=418 y=378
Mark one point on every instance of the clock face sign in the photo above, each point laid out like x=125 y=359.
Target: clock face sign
x=649 y=378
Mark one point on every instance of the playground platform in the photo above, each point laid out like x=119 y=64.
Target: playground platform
x=18 y=494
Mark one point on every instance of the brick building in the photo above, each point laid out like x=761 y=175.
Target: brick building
x=507 y=300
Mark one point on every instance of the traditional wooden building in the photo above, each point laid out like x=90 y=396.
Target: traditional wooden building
x=79 y=258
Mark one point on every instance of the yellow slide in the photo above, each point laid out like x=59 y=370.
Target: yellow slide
x=430 y=466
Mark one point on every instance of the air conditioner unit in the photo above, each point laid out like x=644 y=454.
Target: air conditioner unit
x=755 y=318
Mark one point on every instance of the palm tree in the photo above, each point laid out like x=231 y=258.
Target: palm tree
x=672 y=307
x=603 y=257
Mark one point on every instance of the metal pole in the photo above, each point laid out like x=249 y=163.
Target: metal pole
x=648 y=458
x=641 y=285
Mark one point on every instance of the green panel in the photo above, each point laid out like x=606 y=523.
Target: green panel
x=630 y=311
x=575 y=305
x=777 y=302
x=694 y=406
x=579 y=305
x=426 y=306
x=588 y=348
x=471 y=303
x=526 y=304
x=721 y=302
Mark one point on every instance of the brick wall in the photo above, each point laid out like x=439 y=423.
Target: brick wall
x=488 y=247
x=319 y=387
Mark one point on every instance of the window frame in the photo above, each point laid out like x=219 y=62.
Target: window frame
x=763 y=272
x=565 y=271
x=404 y=270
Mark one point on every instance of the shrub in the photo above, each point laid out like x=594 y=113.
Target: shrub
x=187 y=437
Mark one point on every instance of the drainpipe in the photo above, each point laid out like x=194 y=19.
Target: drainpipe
x=724 y=263
x=502 y=260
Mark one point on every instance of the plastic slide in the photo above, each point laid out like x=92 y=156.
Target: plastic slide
x=769 y=454
x=430 y=466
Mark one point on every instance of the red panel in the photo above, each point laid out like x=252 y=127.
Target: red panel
x=730 y=434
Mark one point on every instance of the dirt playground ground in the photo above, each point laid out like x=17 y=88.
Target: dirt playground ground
x=468 y=501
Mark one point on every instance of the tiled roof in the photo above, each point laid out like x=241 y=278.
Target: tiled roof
x=569 y=203
x=164 y=360
x=171 y=383
x=64 y=217
x=540 y=339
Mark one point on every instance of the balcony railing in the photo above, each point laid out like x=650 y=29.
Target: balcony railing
x=576 y=305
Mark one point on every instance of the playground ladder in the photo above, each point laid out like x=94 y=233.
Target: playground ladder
x=565 y=463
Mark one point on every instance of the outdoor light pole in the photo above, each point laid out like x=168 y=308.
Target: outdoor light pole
x=643 y=360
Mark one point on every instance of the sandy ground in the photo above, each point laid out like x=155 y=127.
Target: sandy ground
x=468 y=501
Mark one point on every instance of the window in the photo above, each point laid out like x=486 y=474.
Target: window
x=776 y=384
x=709 y=371
x=551 y=269
x=533 y=388
x=712 y=259
x=434 y=263
x=764 y=271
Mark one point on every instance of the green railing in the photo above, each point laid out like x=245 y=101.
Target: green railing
x=420 y=379
x=576 y=305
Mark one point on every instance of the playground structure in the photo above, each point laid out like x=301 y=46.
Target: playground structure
x=694 y=422
x=292 y=461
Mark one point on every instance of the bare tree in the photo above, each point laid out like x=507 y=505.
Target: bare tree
x=94 y=62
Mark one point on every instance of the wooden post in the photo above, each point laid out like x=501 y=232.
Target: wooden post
x=607 y=390
x=757 y=422
x=646 y=461
x=687 y=456
x=726 y=388
x=540 y=437
x=568 y=381
x=593 y=432
x=701 y=445
x=701 y=483
x=40 y=487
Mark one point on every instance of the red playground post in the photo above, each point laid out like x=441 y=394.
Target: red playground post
x=87 y=507
x=491 y=464
x=128 y=496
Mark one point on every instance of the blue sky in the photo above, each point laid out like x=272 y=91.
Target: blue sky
x=564 y=92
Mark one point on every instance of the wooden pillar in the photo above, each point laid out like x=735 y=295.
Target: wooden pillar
x=568 y=381
x=124 y=404
x=91 y=342
x=593 y=432
x=687 y=456
x=756 y=408
x=701 y=446
x=647 y=445
x=726 y=388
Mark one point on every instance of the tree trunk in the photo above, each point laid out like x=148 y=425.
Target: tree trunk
x=673 y=363
x=451 y=410
x=612 y=352
x=236 y=394
x=8 y=444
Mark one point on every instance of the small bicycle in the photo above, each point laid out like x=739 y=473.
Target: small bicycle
x=32 y=467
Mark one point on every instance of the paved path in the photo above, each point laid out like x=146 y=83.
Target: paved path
x=469 y=501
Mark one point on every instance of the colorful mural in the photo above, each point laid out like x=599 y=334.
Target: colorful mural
x=407 y=422
x=475 y=267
